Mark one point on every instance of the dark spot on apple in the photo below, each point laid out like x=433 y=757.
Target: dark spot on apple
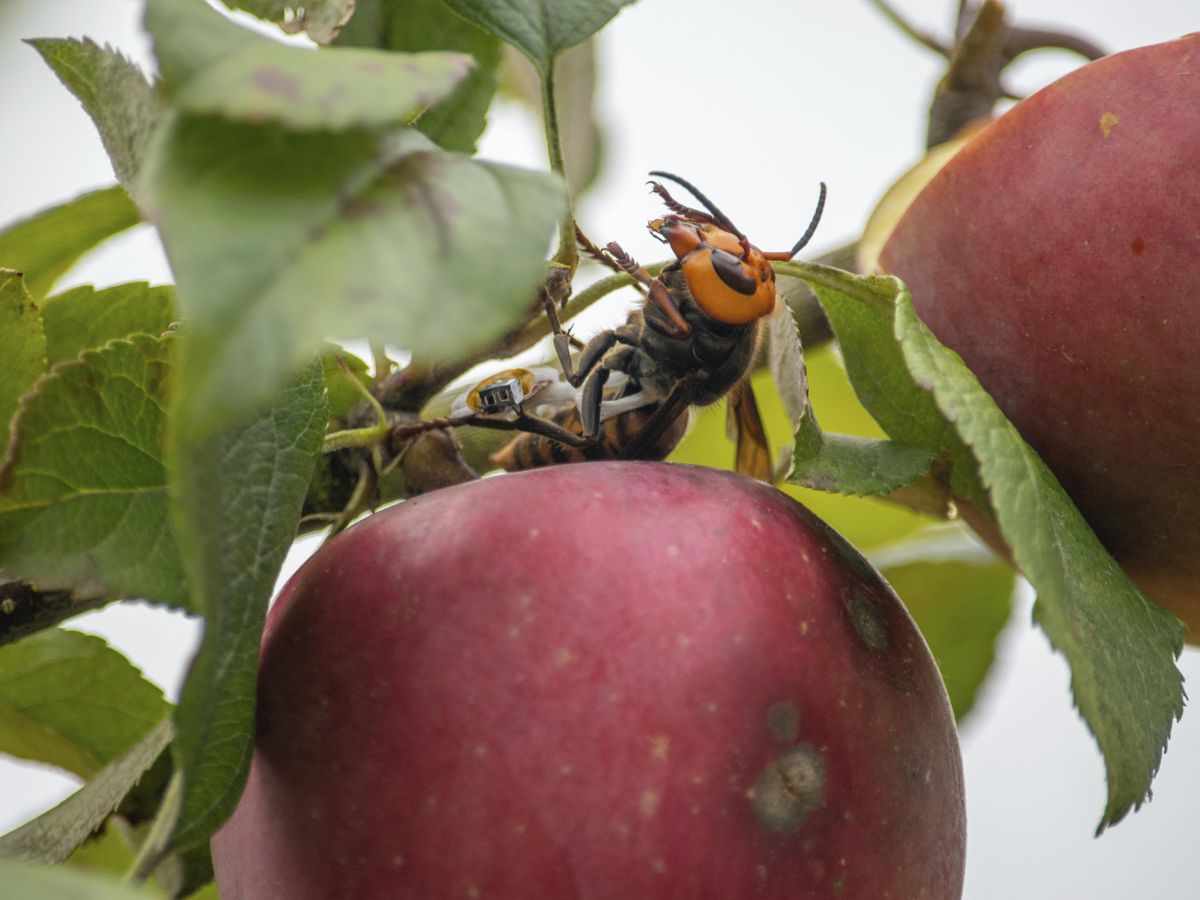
x=789 y=789
x=1137 y=246
x=849 y=555
x=867 y=621
x=783 y=719
x=276 y=81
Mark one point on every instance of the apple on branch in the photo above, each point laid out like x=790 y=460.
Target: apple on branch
x=1058 y=252
x=607 y=680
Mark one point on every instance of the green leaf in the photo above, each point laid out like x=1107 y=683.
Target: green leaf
x=961 y=598
x=54 y=835
x=539 y=29
x=212 y=66
x=22 y=347
x=84 y=318
x=83 y=489
x=1120 y=645
x=69 y=700
x=860 y=311
x=843 y=464
x=186 y=873
x=865 y=521
x=456 y=122
x=279 y=240
x=114 y=92
x=116 y=847
x=236 y=500
x=44 y=246
x=341 y=390
x=105 y=851
x=25 y=880
x=785 y=362
x=846 y=464
x=320 y=19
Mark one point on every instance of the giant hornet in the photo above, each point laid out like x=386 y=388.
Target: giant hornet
x=691 y=343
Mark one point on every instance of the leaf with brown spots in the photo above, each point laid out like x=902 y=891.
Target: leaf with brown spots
x=211 y=66
x=279 y=240
x=410 y=26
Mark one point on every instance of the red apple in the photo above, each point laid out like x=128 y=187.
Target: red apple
x=608 y=680
x=1059 y=254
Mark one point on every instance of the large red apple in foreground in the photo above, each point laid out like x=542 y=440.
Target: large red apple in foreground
x=1059 y=254
x=608 y=680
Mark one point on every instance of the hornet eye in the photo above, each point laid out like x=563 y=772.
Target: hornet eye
x=730 y=270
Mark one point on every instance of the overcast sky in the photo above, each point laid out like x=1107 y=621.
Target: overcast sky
x=756 y=101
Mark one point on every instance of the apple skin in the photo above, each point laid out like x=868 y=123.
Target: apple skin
x=605 y=680
x=1059 y=254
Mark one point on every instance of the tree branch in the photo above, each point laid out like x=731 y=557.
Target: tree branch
x=917 y=34
x=24 y=610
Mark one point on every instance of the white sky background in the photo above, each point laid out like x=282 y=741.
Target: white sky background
x=756 y=101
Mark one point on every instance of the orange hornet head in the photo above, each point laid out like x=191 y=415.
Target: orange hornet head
x=731 y=287
x=729 y=278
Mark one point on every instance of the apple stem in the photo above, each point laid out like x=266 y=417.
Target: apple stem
x=371 y=436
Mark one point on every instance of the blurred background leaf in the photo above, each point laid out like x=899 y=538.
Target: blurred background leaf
x=961 y=595
x=24 y=881
x=865 y=522
x=45 y=245
x=575 y=87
